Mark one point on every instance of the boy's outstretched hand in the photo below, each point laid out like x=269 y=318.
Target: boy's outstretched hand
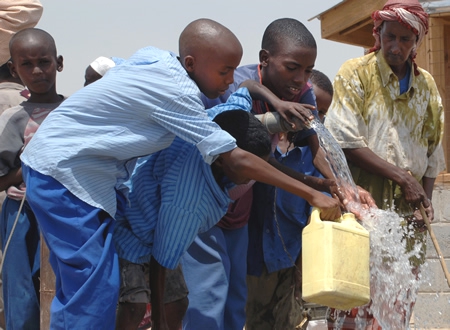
x=329 y=207
x=296 y=114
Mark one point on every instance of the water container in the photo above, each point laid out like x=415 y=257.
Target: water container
x=335 y=262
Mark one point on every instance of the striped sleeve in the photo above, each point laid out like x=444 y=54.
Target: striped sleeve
x=134 y=232
x=239 y=100
x=193 y=125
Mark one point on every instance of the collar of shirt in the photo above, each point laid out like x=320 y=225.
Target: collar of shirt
x=385 y=70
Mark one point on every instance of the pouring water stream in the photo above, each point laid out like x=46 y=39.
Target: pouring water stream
x=394 y=286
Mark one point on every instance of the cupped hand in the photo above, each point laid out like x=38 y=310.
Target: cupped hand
x=356 y=202
x=296 y=114
x=366 y=198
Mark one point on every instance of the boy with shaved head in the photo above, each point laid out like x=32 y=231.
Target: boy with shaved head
x=35 y=61
x=77 y=162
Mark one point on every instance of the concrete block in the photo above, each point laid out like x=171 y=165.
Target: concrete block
x=432 y=311
x=441 y=196
x=442 y=233
x=433 y=278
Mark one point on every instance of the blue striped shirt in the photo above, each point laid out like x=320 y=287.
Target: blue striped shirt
x=173 y=196
x=90 y=142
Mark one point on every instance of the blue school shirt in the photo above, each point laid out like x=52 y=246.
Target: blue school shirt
x=292 y=212
x=265 y=245
x=173 y=196
x=90 y=142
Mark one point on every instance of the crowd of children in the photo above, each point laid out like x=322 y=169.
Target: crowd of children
x=167 y=188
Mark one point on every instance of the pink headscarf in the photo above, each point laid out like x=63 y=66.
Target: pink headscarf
x=409 y=13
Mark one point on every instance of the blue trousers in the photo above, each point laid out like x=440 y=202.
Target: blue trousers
x=215 y=269
x=82 y=255
x=21 y=265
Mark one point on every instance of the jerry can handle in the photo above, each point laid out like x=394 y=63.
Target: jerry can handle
x=348 y=218
x=315 y=216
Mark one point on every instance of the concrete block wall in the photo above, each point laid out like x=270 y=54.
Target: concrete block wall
x=432 y=310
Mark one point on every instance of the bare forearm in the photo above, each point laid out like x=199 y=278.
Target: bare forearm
x=322 y=165
x=412 y=190
x=428 y=185
x=295 y=114
x=319 y=158
x=260 y=92
x=369 y=161
x=257 y=169
x=252 y=167
x=311 y=181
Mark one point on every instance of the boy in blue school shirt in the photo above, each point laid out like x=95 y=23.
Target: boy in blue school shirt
x=277 y=220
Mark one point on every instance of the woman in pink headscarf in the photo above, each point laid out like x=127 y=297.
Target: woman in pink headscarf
x=408 y=13
x=387 y=116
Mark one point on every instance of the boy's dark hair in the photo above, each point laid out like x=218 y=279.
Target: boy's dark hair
x=286 y=29
x=249 y=132
x=322 y=81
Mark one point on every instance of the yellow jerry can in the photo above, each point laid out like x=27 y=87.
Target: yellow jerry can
x=335 y=262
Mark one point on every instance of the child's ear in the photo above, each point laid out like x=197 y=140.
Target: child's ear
x=189 y=63
x=12 y=69
x=59 y=61
x=264 y=57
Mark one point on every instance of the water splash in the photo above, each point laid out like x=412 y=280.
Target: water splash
x=394 y=282
x=337 y=161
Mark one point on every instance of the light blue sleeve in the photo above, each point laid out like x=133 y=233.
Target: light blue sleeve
x=239 y=100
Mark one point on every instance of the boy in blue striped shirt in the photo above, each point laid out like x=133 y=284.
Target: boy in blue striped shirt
x=173 y=196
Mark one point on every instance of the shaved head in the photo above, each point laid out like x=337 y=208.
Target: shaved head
x=32 y=36
x=210 y=53
x=206 y=34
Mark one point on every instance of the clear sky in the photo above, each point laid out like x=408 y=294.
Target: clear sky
x=84 y=30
